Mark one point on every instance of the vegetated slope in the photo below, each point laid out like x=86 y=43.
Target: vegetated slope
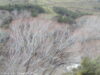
x=89 y=6
x=42 y=47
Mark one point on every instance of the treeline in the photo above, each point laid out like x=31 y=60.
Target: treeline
x=64 y=15
x=35 y=9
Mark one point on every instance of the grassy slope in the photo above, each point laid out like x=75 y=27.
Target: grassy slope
x=81 y=5
x=4 y=2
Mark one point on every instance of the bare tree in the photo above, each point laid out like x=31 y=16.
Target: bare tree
x=36 y=45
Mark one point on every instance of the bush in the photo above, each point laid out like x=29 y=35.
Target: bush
x=67 y=16
x=34 y=14
x=89 y=67
x=63 y=11
x=7 y=20
x=38 y=9
x=35 y=9
x=65 y=19
x=21 y=7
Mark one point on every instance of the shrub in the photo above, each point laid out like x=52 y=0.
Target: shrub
x=65 y=19
x=89 y=67
x=21 y=7
x=35 y=9
x=63 y=11
x=67 y=16
x=38 y=9
x=34 y=14
x=7 y=20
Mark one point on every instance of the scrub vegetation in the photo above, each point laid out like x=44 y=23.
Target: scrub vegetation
x=49 y=37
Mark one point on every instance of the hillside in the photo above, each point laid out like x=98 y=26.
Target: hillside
x=87 y=6
x=43 y=46
x=48 y=37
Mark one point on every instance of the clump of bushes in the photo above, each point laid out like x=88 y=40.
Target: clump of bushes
x=35 y=9
x=34 y=14
x=89 y=67
x=64 y=11
x=65 y=19
x=66 y=16
x=20 y=7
